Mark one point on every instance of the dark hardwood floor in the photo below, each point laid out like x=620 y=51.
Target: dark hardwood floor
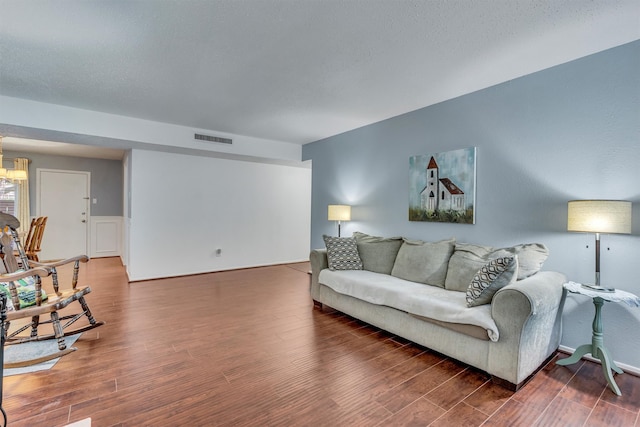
x=247 y=348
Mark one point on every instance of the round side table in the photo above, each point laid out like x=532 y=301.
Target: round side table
x=597 y=348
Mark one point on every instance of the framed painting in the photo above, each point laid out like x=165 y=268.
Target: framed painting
x=442 y=186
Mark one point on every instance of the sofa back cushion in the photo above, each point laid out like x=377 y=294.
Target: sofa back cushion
x=468 y=258
x=423 y=262
x=531 y=256
x=465 y=262
x=378 y=254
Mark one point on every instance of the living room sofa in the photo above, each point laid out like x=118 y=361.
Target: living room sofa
x=489 y=308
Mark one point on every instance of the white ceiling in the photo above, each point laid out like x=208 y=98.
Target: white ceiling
x=289 y=70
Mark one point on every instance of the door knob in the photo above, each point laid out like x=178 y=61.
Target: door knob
x=84 y=220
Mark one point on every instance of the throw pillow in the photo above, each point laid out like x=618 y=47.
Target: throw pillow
x=423 y=262
x=468 y=258
x=342 y=253
x=531 y=256
x=493 y=276
x=378 y=254
x=26 y=289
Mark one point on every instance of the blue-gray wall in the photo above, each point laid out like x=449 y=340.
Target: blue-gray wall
x=568 y=132
x=106 y=178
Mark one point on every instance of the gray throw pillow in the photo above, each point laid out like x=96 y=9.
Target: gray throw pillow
x=423 y=262
x=493 y=276
x=378 y=254
x=468 y=258
x=342 y=253
x=531 y=256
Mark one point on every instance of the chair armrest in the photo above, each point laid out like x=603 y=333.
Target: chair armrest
x=76 y=260
x=81 y=258
x=10 y=277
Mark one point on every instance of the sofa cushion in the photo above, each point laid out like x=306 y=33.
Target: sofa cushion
x=378 y=254
x=465 y=262
x=464 y=328
x=411 y=297
x=423 y=262
x=342 y=253
x=468 y=258
x=494 y=275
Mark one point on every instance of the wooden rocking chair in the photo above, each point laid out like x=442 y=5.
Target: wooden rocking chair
x=33 y=239
x=17 y=313
x=55 y=302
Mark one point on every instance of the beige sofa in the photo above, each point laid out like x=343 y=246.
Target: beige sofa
x=510 y=338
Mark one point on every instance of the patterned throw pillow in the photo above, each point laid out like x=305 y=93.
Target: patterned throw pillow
x=26 y=288
x=490 y=278
x=342 y=253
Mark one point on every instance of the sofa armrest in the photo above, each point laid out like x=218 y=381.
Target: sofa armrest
x=528 y=314
x=318 y=259
x=542 y=292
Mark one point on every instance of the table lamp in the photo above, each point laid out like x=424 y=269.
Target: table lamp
x=599 y=216
x=339 y=213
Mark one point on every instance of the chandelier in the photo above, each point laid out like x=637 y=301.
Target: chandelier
x=11 y=174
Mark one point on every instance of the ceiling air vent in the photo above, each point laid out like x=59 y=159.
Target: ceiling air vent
x=210 y=138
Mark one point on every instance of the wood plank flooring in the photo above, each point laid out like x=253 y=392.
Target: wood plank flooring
x=247 y=348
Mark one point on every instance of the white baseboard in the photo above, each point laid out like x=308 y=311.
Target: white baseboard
x=82 y=423
x=627 y=368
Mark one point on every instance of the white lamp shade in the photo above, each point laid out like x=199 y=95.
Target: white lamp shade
x=599 y=216
x=339 y=213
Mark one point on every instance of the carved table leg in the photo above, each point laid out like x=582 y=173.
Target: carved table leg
x=607 y=366
x=597 y=350
x=576 y=356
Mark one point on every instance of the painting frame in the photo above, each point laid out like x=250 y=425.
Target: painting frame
x=442 y=187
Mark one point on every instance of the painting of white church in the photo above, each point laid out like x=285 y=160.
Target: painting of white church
x=442 y=187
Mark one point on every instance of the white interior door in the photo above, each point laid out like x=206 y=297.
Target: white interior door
x=63 y=197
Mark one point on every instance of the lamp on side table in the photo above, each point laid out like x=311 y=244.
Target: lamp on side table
x=599 y=216
x=597 y=348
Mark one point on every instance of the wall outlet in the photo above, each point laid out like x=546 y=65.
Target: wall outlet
x=218 y=252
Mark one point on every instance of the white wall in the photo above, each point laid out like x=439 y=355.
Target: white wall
x=28 y=118
x=184 y=207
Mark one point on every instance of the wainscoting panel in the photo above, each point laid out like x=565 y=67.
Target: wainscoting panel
x=106 y=236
